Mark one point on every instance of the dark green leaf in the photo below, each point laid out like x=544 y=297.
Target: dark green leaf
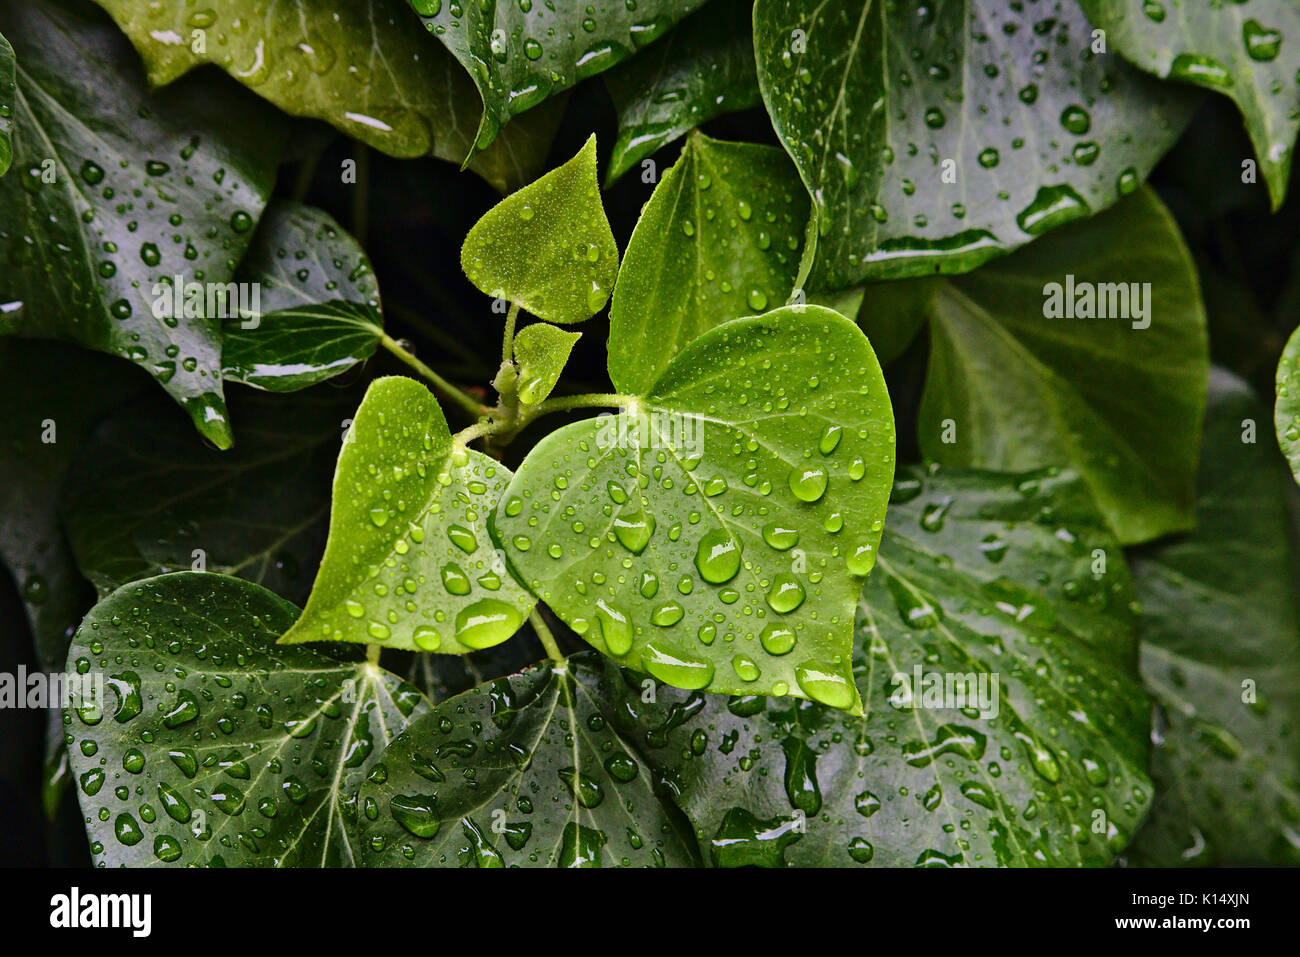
x=216 y=746
x=116 y=194
x=1220 y=653
x=8 y=89
x=715 y=533
x=319 y=303
x=541 y=352
x=409 y=562
x=1286 y=414
x=522 y=772
x=872 y=99
x=981 y=575
x=719 y=239
x=704 y=67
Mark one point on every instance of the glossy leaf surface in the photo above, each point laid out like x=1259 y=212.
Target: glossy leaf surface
x=541 y=352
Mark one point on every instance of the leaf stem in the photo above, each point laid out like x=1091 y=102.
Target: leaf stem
x=544 y=636
x=457 y=395
x=508 y=339
x=372 y=653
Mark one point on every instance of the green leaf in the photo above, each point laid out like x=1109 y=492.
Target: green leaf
x=547 y=248
x=8 y=91
x=319 y=303
x=1219 y=655
x=363 y=66
x=703 y=68
x=541 y=352
x=216 y=746
x=1014 y=384
x=715 y=533
x=1286 y=413
x=1238 y=50
x=518 y=54
x=147 y=496
x=719 y=239
x=871 y=99
x=136 y=198
x=980 y=575
x=522 y=772
x=409 y=562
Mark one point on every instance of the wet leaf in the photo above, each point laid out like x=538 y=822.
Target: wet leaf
x=541 y=352
x=1219 y=653
x=715 y=532
x=115 y=194
x=876 y=102
x=1286 y=413
x=213 y=744
x=719 y=239
x=547 y=248
x=522 y=772
x=981 y=575
x=409 y=562
x=319 y=303
x=8 y=89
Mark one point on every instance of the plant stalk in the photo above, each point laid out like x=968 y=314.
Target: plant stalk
x=455 y=394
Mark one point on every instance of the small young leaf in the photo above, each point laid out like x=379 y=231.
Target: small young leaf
x=319 y=303
x=1286 y=414
x=1247 y=53
x=715 y=533
x=703 y=68
x=522 y=772
x=718 y=240
x=8 y=95
x=547 y=248
x=409 y=562
x=541 y=351
x=213 y=745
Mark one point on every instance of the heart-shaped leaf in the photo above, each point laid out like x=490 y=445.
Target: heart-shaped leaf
x=541 y=352
x=715 y=533
x=319 y=303
x=1219 y=655
x=1286 y=413
x=1250 y=53
x=216 y=746
x=982 y=578
x=934 y=137
x=8 y=91
x=719 y=239
x=409 y=562
x=522 y=772
x=548 y=247
x=703 y=68
x=518 y=54
x=116 y=195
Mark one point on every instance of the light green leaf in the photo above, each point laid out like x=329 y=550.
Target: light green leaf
x=719 y=239
x=518 y=54
x=1250 y=52
x=872 y=99
x=703 y=68
x=981 y=576
x=533 y=754
x=547 y=248
x=409 y=562
x=541 y=352
x=715 y=533
x=1014 y=384
x=319 y=303
x=1221 y=656
x=214 y=746
x=116 y=194
x=147 y=496
x=1286 y=412
x=8 y=91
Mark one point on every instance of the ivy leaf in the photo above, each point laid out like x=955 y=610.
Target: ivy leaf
x=871 y=99
x=147 y=497
x=703 y=68
x=1286 y=413
x=715 y=533
x=522 y=772
x=541 y=352
x=718 y=240
x=519 y=54
x=8 y=92
x=1219 y=655
x=116 y=195
x=409 y=562
x=548 y=247
x=1016 y=382
x=1239 y=51
x=981 y=575
x=216 y=746
x=319 y=303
